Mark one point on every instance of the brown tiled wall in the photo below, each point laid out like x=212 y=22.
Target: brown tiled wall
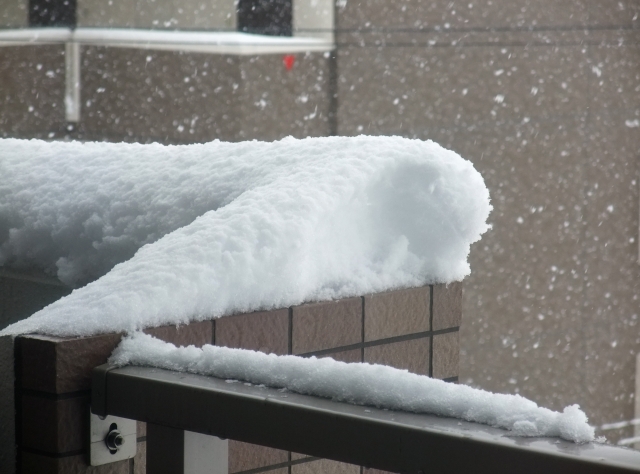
x=266 y=331
x=53 y=381
x=396 y=313
x=322 y=326
x=396 y=328
x=412 y=355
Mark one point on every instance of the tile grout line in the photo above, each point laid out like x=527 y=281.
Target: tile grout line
x=483 y=44
x=492 y=30
x=289 y=351
x=332 y=86
x=66 y=454
x=55 y=396
x=380 y=342
x=431 y=330
x=290 y=335
x=362 y=338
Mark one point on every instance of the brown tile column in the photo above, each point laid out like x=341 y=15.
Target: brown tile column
x=53 y=395
x=327 y=329
x=446 y=319
x=396 y=329
x=264 y=331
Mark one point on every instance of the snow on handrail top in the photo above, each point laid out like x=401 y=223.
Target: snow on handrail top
x=359 y=384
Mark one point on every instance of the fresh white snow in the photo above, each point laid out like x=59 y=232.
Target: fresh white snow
x=221 y=228
x=359 y=383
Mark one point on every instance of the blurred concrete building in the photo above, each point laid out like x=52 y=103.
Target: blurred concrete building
x=542 y=96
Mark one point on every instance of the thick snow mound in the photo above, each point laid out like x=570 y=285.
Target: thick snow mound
x=212 y=229
x=361 y=384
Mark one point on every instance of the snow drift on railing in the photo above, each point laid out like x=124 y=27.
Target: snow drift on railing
x=220 y=228
x=360 y=384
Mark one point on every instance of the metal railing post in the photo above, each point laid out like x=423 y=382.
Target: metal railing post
x=174 y=451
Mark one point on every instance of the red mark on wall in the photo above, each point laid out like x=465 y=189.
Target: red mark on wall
x=289 y=60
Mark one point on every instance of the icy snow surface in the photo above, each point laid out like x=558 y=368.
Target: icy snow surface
x=221 y=228
x=361 y=384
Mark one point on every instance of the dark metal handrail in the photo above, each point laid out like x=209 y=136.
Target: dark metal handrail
x=387 y=440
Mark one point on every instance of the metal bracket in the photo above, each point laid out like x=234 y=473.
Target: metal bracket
x=112 y=439
x=72 y=81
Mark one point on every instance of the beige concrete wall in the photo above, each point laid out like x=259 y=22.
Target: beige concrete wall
x=169 y=97
x=115 y=14
x=543 y=98
x=172 y=97
x=188 y=14
x=32 y=91
x=314 y=18
x=162 y=14
x=14 y=14
x=276 y=103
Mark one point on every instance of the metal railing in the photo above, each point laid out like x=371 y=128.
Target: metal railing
x=175 y=403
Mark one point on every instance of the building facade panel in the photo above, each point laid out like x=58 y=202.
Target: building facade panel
x=14 y=14
x=32 y=93
x=277 y=102
x=445 y=15
x=169 y=97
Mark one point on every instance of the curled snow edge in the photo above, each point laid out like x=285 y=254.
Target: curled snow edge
x=200 y=231
x=360 y=384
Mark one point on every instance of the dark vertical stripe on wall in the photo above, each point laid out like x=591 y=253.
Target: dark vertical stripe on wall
x=52 y=13
x=290 y=336
x=333 y=93
x=362 y=328
x=17 y=393
x=431 y=330
x=333 y=77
